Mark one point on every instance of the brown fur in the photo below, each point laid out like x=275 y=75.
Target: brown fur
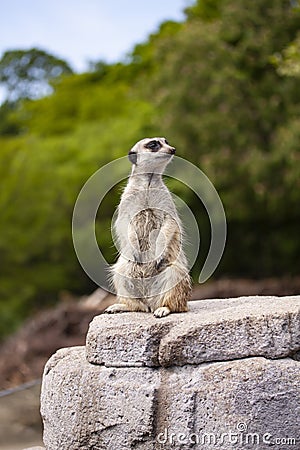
x=152 y=237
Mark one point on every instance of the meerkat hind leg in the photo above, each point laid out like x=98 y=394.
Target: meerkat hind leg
x=117 y=308
x=126 y=305
x=162 y=311
x=175 y=300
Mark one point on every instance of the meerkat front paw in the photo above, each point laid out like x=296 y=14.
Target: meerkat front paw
x=160 y=264
x=162 y=311
x=116 y=308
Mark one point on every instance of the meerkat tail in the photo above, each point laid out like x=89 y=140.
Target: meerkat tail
x=176 y=298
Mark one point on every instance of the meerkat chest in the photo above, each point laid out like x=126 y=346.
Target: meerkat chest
x=146 y=233
x=145 y=215
x=142 y=219
x=146 y=226
x=141 y=227
x=135 y=200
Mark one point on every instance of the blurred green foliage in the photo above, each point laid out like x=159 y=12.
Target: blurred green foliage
x=288 y=61
x=212 y=85
x=27 y=73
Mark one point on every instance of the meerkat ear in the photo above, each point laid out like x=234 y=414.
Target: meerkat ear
x=132 y=157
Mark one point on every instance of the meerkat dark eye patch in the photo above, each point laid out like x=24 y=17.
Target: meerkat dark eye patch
x=132 y=157
x=154 y=146
x=167 y=142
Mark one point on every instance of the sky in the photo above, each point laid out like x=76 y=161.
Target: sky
x=83 y=30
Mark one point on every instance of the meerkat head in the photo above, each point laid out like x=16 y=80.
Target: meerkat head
x=151 y=154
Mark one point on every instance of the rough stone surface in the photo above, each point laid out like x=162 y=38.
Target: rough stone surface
x=91 y=407
x=213 y=330
x=223 y=376
x=35 y=448
x=252 y=403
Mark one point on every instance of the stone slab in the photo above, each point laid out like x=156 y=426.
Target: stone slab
x=35 y=448
x=251 y=404
x=212 y=330
x=91 y=407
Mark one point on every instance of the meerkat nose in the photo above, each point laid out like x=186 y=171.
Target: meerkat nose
x=173 y=150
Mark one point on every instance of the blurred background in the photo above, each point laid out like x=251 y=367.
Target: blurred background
x=80 y=83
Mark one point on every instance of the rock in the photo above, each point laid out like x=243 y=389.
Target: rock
x=213 y=330
x=209 y=406
x=221 y=376
x=35 y=448
x=82 y=403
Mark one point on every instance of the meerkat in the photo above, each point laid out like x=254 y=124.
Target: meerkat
x=151 y=273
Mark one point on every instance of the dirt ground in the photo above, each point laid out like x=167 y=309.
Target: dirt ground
x=20 y=422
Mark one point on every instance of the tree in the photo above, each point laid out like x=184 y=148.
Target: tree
x=210 y=86
x=288 y=61
x=207 y=10
x=222 y=101
x=28 y=73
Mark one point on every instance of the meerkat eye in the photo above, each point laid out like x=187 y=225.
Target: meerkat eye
x=154 y=146
x=166 y=142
